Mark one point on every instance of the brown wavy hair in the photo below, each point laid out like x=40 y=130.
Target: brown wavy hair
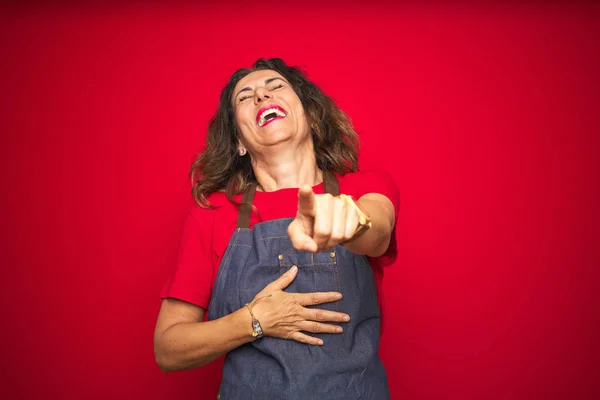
x=220 y=168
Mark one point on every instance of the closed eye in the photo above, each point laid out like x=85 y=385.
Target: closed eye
x=242 y=98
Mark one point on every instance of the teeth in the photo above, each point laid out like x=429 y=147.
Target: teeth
x=277 y=111
x=271 y=110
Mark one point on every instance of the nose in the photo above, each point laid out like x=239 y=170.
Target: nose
x=261 y=94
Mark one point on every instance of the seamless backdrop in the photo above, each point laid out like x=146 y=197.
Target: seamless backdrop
x=487 y=118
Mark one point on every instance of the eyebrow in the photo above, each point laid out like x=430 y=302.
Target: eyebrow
x=267 y=81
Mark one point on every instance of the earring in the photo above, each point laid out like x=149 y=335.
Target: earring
x=242 y=151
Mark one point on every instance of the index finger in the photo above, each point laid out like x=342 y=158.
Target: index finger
x=310 y=299
x=306 y=201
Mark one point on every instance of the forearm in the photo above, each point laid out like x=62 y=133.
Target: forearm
x=375 y=241
x=194 y=344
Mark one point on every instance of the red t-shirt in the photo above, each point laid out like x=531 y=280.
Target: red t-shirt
x=206 y=233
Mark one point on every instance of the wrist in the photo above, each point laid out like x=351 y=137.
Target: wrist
x=243 y=322
x=255 y=323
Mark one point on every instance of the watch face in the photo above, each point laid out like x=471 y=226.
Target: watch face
x=256 y=328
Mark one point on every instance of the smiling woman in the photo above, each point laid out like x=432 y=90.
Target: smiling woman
x=284 y=222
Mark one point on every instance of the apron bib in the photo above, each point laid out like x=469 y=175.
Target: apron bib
x=347 y=366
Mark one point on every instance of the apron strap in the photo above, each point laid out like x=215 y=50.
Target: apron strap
x=330 y=185
x=246 y=208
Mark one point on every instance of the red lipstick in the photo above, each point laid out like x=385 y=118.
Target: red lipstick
x=267 y=107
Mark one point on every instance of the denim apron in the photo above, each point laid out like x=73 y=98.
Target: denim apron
x=347 y=366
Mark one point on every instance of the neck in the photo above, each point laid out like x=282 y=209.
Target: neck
x=287 y=169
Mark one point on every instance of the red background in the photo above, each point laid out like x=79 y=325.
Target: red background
x=487 y=117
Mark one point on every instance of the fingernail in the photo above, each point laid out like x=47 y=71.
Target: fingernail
x=346 y=318
x=320 y=343
x=293 y=269
x=338 y=296
x=338 y=329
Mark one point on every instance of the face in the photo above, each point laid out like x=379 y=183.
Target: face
x=267 y=111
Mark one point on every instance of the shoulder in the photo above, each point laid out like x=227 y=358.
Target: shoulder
x=363 y=182
x=219 y=202
x=364 y=176
x=204 y=218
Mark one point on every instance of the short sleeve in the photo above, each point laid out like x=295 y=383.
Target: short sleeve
x=192 y=277
x=374 y=181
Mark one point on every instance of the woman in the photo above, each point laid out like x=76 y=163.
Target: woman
x=274 y=251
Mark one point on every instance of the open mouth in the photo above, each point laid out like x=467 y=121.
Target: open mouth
x=266 y=115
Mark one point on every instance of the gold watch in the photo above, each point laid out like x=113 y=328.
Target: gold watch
x=364 y=221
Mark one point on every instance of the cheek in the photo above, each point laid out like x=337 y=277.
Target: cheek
x=245 y=127
x=301 y=115
x=297 y=104
x=243 y=119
